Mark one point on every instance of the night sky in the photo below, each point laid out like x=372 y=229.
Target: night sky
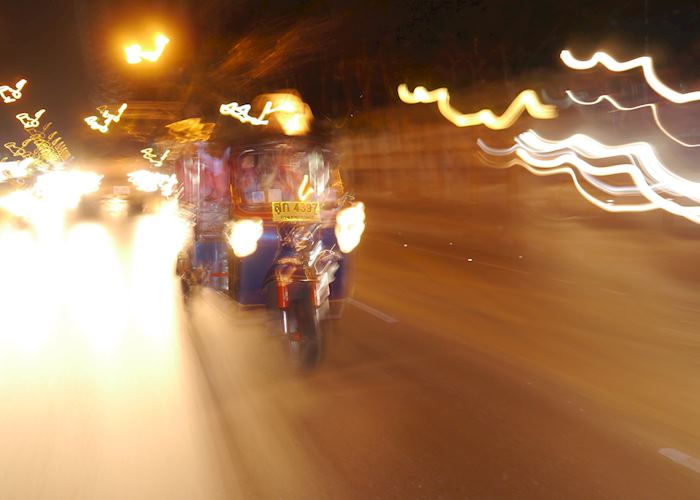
x=343 y=56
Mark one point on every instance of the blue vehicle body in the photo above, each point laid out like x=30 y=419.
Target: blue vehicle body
x=249 y=274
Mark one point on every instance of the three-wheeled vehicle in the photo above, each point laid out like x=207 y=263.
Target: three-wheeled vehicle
x=289 y=230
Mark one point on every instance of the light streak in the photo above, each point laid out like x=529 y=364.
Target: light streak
x=305 y=190
x=559 y=103
x=288 y=111
x=243 y=236
x=17 y=151
x=52 y=193
x=135 y=53
x=28 y=121
x=150 y=182
x=644 y=62
x=153 y=159
x=15 y=169
x=241 y=112
x=619 y=107
x=109 y=118
x=640 y=154
x=544 y=157
x=349 y=226
x=527 y=100
x=14 y=93
x=190 y=130
x=571 y=172
x=64 y=188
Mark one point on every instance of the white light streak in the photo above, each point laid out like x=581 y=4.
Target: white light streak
x=644 y=62
x=653 y=107
x=109 y=118
x=10 y=94
x=28 y=121
x=545 y=157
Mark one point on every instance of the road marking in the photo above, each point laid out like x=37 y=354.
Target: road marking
x=371 y=310
x=681 y=458
x=504 y=268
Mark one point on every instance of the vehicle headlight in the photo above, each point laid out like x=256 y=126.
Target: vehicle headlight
x=349 y=226
x=243 y=236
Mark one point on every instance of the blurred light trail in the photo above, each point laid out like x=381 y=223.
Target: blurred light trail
x=644 y=62
x=544 y=157
x=305 y=190
x=542 y=170
x=18 y=151
x=559 y=103
x=190 y=130
x=619 y=107
x=135 y=53
x=28 y=121
x=14 y=93
x=150 y=182
x=241 y=112
x=15 y=169
x=153 y=159
x=527 y=100
x=641 y=155
x=349 y=226
x=109 y=118
x=65 y=188
x=288 y=111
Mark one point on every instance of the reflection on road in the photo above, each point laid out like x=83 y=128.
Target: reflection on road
x=100 y=399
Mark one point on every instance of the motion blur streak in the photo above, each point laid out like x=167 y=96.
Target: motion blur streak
x=641 y=154
x=150 y=182
x=644 y=62
x=305 y=190
x=15 y=93
x=102 y=384
x=28 y=121
x=527 y=100
x=619 y=107
x=553 y=170
x=533 y=144
x=135 y=53
x=14 y=169
x=108 y=118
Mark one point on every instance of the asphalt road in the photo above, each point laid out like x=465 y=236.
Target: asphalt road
x=503 y=343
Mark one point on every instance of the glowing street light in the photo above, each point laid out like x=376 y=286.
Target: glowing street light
x=135 y=54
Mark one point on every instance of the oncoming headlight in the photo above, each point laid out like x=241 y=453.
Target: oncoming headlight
x=243 y=236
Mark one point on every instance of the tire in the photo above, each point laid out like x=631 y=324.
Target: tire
x=307 y=353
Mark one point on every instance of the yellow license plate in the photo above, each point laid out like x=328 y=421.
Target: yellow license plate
x=295 y=211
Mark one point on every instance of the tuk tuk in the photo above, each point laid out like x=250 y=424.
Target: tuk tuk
x=274 y=228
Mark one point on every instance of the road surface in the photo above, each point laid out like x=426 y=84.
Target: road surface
x=500 y=344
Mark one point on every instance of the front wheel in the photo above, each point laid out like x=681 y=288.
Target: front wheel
x=307 y=344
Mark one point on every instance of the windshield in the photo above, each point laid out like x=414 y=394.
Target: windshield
x=265 y=176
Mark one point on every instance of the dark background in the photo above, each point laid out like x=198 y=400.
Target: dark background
x=344 y=57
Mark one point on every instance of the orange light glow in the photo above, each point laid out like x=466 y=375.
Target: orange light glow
x=28 y=121
x=135 y=54
x=527 y=100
